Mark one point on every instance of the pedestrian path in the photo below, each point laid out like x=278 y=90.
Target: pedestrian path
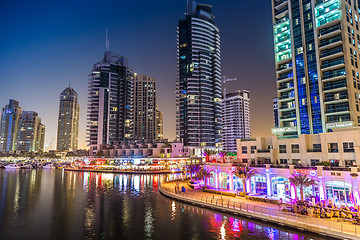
x=260 y=210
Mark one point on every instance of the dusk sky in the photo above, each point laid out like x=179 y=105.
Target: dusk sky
x=45 y=45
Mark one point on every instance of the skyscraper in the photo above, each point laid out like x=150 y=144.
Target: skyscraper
x=159 y=132
x=110 y=101
x=31 y=133
x=9 y=126
x=68 y=123
x=236 y=107
x=198 y=86
x=144 y=107
x=316 y=56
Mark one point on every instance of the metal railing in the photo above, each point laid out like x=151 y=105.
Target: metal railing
x=276 y=215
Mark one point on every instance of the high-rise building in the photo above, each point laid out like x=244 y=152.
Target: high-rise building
x=159 y=124
x=68 y=123
x=144 y=107
x=198 y=86
x=110 y=102
x=31 y=133
x=276 y=112
x=9 y=126
x=316 y=56
x=236 y=108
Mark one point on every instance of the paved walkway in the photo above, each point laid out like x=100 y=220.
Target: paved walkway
x=198 y=194
x=262 y=211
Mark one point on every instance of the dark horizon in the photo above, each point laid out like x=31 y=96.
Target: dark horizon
x=48 y=45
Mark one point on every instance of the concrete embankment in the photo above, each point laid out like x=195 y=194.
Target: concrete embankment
x=330 y=229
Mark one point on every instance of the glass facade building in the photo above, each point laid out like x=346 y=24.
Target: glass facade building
x=9 y=126
x=68 y=123
x=198 y=87
x=316 y=49
x=110 y=102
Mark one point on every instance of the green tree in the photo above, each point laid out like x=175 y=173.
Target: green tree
x=301 y=181
x=244 y=172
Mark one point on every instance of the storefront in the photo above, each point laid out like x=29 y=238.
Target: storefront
x=238 y=184
x=258 y=185
x=224 y=181
x=212 y=179
x=339 y=193
x=280 y=187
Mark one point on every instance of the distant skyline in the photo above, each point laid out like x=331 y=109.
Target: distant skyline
x=48 y=44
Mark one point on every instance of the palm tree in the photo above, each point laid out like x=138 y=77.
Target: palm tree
x=244 y=172
x=301 y=180
x=222 y=154
x=193 y=168
x=205 y=174
x=207 y=154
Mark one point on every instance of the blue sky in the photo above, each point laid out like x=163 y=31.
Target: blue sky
x=47 y=44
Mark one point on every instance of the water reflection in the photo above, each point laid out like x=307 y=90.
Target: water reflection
x=55 y=204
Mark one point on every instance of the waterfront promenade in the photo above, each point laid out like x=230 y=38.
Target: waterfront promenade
x=261 y=211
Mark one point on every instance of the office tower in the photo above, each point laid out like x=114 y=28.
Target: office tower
x=159 y=123
x=198 y=87
x=68 y=123
x=9 y=126
x=236 y=108
x=316 y=53
x=276 y=112
x=144 y=107
x=31 y=133
x=110 y=101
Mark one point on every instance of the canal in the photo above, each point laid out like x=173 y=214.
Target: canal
x=57 y=204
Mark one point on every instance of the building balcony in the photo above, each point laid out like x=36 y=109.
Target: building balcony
x=280 y=4
x=329 y=32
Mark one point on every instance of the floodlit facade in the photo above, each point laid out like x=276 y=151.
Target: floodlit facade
x=159 y=123
x=337 y=149
x=316 y=56
x=110 y=102
x=336 y=186
x=144 y=107
x=198 y=87
x=9 y=126
x=31 y=133
x=236 y=106
x=68 y=123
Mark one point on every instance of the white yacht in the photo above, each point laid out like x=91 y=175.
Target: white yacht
x=49 y=166
x=12 y=166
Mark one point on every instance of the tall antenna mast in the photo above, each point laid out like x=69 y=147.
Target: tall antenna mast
x=107 y=41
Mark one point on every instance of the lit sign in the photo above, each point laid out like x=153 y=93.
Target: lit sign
x=283 y=129
x=339 y=125
x=312 y=173
x=233 y=169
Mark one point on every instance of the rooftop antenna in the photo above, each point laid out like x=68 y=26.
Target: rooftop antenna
x=107 y=40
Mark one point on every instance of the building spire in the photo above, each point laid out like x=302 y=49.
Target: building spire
x=107 y=41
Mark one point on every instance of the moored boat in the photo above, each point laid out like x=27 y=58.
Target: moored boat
x=12 y=166
x=48 y=166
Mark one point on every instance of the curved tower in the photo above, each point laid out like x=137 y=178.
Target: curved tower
x=68 y=125
x=198 y=87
